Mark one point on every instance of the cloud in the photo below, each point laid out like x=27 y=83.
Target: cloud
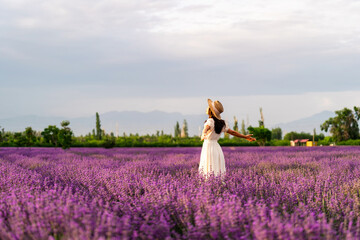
x=175 y=49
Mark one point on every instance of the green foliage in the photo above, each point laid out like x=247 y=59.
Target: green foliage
x=261 y=122
x=326 y=141
x=243 y=130
x=302 y=135
x=319 y=137
x=236 y=125
x=109 y=142
x=50 y=135
x=185 y=130
x=65 y=135
x=177 y=130
x=19 y=139
x=7 y=138
x=350 y=142
x=275 y=142
x=30 y=137
x=2 y=134
x=276 y=133
x=98 y=127
x=344 y=125
x=261 y=134
x=53 y=136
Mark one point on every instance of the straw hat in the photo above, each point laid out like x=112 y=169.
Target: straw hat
x=216 y=108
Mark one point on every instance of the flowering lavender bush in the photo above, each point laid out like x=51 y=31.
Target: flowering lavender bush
x=157 y=193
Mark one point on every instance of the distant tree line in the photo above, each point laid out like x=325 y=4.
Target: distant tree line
x=343 y=127
x=52 y=136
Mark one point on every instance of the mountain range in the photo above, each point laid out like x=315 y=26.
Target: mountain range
x=306 y=124
x=146 y=122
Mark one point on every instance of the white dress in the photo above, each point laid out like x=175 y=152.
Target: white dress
x=212 y=157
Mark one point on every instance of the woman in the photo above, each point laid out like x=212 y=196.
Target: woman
x=212 y=158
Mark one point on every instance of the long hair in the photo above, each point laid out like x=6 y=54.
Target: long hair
x=219 y=124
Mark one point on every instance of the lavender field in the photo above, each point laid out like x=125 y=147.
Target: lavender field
x=156 y=193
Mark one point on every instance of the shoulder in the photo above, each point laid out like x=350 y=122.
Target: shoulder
x=210 y=122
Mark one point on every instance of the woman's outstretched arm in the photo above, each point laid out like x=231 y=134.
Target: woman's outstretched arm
x=239 y=135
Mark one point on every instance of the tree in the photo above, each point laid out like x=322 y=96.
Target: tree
x=19 y=139
x=98 y=127
x=65 y=135
x=314 y=134
x=50 y=134
x=344 y=125
x=177 y=130
x=184 y=130
x=261 y=134
x=262 y=121
x=30 y=137
x=236 y=125
x=243 y=129
x=2 y=134
x=276 y=133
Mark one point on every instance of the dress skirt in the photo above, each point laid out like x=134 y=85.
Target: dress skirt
x=212 y=159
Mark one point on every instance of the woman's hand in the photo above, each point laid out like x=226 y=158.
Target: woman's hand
x=249 y=138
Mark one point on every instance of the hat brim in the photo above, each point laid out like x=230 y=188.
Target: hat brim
x=212 y=109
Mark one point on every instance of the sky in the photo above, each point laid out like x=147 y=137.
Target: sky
x=73 y=58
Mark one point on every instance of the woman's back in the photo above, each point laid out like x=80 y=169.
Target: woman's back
x=211 y=134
